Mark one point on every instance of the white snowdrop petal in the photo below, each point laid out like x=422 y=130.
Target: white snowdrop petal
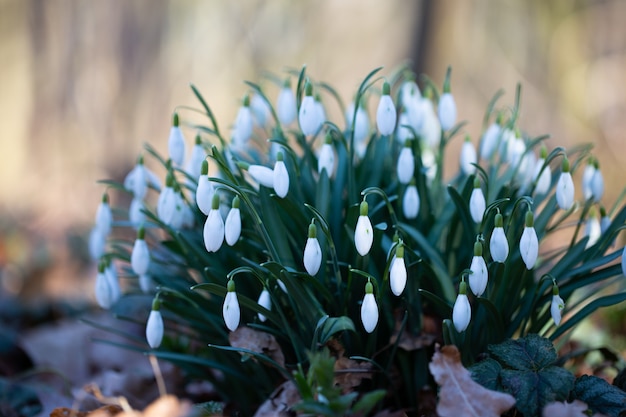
x=489 y=142
x=565 y=191
x=447 y=111
x=461 y=313
x=154 y=329
x=137 y=181
x=312 y=258
x=260 y=110
x=204 y=194
x=97 y=243
x=232 y=226
x=430 y=129
x=369 y=313
x=544 y=179
x=597 y=186
x=498 y=245
x=593 y=230
x=477 y=205
x=242 y=129
x=406 y=165
x=114 y=284
x=286 y=106
x=397 y=276
x=262 y=174
x=176 y=146
x=135 y=214
x=468 y=157
x=213 y=232
x=361 y=125
x=309 y=116
x=104 y=297
x=104 y=218
x=140 y=257
x=230 y=311
x=479 y=277
x=411 y=202
x=386 y=115
x=280 y=179
x=529 y=247
x=586 y=181
x=326 y=160
x=363 y=235
x=194 y=164
x=556 y=306
x=264 y=301
x=402 y=131
x=146 y=284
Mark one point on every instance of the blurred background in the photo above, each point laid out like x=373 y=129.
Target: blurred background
x=83 y=84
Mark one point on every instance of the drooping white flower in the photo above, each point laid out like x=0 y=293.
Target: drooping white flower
x=198 y=155
x=447 y=105
x=597 y=183
x=406 y=164
x=587 y=177
x=556 y=306
x=326 y=158
x=468 y=157
x=410 y=93
x=136 y=181
x=489 y=141
x=542 y=178
x=429 y=164
x=593 y=229
x=411 y=201
x=188 y=220
x=309 y=115
x=213 y=232
x=136 y=216
x=363 y=233
x=176 y=143
x=104 y=295
x=264 y=301
x=403 y=131
x=261 y=174
x=498 y=244
x=140 y=255
x=280 y=177
x=242 y=129
x=477 y=203
x=361 y=123
x=230 y=310
x=166 y=204
x=605 y=220
x=205 y=189
x=154 y=326
x=397 y=272
x=369 y=309
x=260 y=110
x=565 y=187
x=146 y=284
x=479 y=276
x=232 y=225
x=430 y=129
x=529 y=244
x=110 y=272
x=462 y=311
x=286 y=104
x=312 y=258
x=386 y=112
x=507 y=137
x=320 y=111
x=97 y=243
x=104 y=216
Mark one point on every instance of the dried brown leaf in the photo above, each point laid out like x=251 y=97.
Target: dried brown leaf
x=409 y=341
x=256 y=341
x=349 y=373
x=106 y=410
x=576 y=408
x=459 y=394
x=280 y=401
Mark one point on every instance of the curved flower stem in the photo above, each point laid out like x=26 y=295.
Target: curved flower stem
x=380 y=192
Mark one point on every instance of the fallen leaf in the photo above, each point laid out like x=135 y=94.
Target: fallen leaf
x=256 y=341
x=564 y=409
x=280 y=401
x=106 y=410
x=459 y=394
x=409 y=341
x=349 y=373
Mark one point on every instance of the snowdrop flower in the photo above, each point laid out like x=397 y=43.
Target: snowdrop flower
x=260 y=110
x=369 y=309
x=176 y=143
x=411 y=201
x=406 y=164
x=140 y=256
x=136 y=180
x=146 y=284
x=447 y=105
x=170 y=204
x=410 y=94
x=565 y=187
x=312 y=251
x=489 y=141
x=605 y=220
x=232 y=226
x=479 y=276
x=462 y=311
x=593 y=229
x=361 y=123
x=363 y=234
x=557 y=305
x=309 y=115
x=597 y=183
x=261 y=174
x=468 y=157
x=506 y=138
x=326 y=158
x=430 y=129
x=386 y=112
x=104 y=295
x=321 y=113
x=205 y=189
x=104 y=217
x=286 y=104
x=397 y=272
x=498 y=245
x=114 y=283
x=429 y=164
x=542 y=178
x=403 y=131
x=97 y=243
x=136 y=216
x=477 y=204
x=198 y=155
x=280 y=177
x=214 y=227
x=154 y=326
x=242 y=130
x=529 y=244
x=588 y=173
x=264 y=301
x=230 y=310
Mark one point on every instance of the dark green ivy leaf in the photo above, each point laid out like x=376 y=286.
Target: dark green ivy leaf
x=529 y=353
x=487 y=374
x=600 y=396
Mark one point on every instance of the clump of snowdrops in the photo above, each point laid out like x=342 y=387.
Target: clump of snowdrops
x=356 y=235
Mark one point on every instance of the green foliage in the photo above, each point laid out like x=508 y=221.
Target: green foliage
x=18 y=400
x=600 y=396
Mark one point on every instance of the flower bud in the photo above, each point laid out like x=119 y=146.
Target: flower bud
x=406 y=164
x=205 y=190
x=369 y=309
x=597 y=184
x=411 y=201
x=286 y=104
x=361 y=124
x=397 y=272
x=386 y=112
x=462 y=311
x=468 y=157
x=498 y=244
x=214 y=227
x=136 y=180
x=103 y=292
x=260 y=110
x=154 y=326
x=529 y=244
x=593 y=228
x=312 y=252
x=280 y=177
x=176 y=143
x=447 y=105
x=264 y=301
x=542 y=178
x=230 y=310
x=262 y=175
x=430 y=129
x=605 y=221
x=326 y=158
x=557 y=305
x=479 y=276
x=97 y=243
x=477 y=203
x=565 y=187
x=489 y=141
x=136 y=216
x=232 y=226
x=198 y=156
x=104 y=217
x=242 y=129
x=363 y=234
x=309 y=115
x=140 y=256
